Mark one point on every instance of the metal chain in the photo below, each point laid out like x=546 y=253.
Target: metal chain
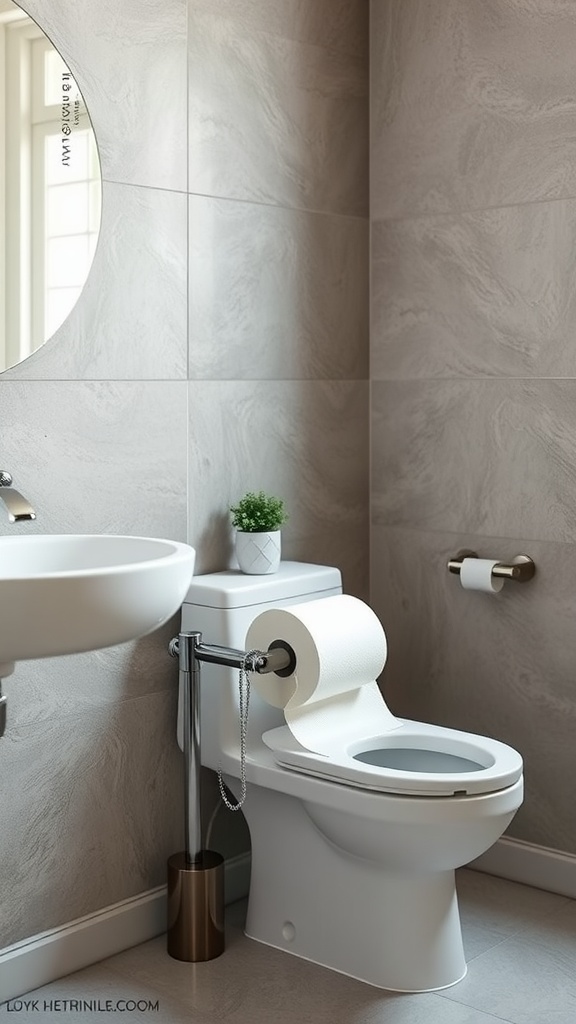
x=244 y=702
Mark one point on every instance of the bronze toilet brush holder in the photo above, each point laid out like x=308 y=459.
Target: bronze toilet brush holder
x=196 y=907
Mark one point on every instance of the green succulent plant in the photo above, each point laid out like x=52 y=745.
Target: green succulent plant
x=258 y=513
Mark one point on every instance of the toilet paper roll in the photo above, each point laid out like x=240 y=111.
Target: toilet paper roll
x=340 y=649
x=476 y=574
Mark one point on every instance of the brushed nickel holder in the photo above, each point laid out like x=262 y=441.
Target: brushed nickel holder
x=521 y=568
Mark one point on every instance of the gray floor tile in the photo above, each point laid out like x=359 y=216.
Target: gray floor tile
x=557 y=930
x=493 y=909
x=521 y=981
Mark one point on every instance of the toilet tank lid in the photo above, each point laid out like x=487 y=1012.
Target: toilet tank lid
x=234 y=589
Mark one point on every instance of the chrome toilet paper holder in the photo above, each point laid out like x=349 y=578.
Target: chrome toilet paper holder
x=521 y=568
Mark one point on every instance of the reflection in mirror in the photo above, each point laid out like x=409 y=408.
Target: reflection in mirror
x=50 y=188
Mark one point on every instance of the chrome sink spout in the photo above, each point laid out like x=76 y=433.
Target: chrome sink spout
x=18 y=508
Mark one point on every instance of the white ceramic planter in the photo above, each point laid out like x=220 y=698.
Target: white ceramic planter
x=258 y=553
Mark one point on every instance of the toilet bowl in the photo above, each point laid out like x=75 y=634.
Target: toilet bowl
x=352 y=854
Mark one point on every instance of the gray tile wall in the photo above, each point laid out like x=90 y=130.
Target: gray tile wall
x=278 y=159
x=220 y=345
x=473 y=365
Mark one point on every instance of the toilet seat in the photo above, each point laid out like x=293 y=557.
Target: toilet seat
x=415 y=759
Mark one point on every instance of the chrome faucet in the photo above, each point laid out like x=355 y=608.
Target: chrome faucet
x=18 y=508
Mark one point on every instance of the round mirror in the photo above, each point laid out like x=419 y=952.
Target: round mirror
x=50 y=188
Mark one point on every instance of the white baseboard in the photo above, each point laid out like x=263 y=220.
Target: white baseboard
x=53 y=954
x=533 y=865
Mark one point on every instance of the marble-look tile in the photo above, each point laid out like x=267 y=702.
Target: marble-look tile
x=492 y=910
x=276 y=293
x=337 y=24
x=471 y=104
x=129 y=59
x=488 y=293
x=498 y=665
x=131 y=319
x=275 y=120
x=78 y=683
x=556 y=931
x=97 y=457
x=306 y=441
x=490 y=457
x=91 y=810
x=543 y=990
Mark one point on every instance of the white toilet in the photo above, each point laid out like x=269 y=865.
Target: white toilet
x=353 y=856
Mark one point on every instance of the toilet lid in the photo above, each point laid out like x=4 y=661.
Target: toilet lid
x=416 y=759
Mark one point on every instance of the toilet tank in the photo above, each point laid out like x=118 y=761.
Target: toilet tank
x=222 y=605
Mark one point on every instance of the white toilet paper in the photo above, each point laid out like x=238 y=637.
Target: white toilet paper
x=340 y=649
x=476 y=574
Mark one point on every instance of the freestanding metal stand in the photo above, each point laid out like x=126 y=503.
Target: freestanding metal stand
x=196 y=876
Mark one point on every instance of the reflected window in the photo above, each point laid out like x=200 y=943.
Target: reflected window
x=65 y=189
x=50 y=188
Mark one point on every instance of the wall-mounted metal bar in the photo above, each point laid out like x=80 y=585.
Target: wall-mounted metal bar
x=521 y=568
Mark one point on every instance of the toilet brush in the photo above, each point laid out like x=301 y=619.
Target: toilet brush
x=195 y=875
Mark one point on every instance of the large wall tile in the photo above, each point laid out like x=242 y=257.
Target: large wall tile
x=542 y=991
x=472 y=103
x=97 y=457
x=131 y=319
x=488 y=457
x=129 y=59
x=499 y=665
x=276 y=293
x=473 y=424
x=79 y=683
x=274 y=120
x=488 y=293
x=336 y=24
x=91 y=810
x=305 y=441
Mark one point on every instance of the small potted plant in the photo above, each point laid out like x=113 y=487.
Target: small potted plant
x=257 y=519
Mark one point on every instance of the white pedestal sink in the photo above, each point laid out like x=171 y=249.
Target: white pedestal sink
x=70 y=593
